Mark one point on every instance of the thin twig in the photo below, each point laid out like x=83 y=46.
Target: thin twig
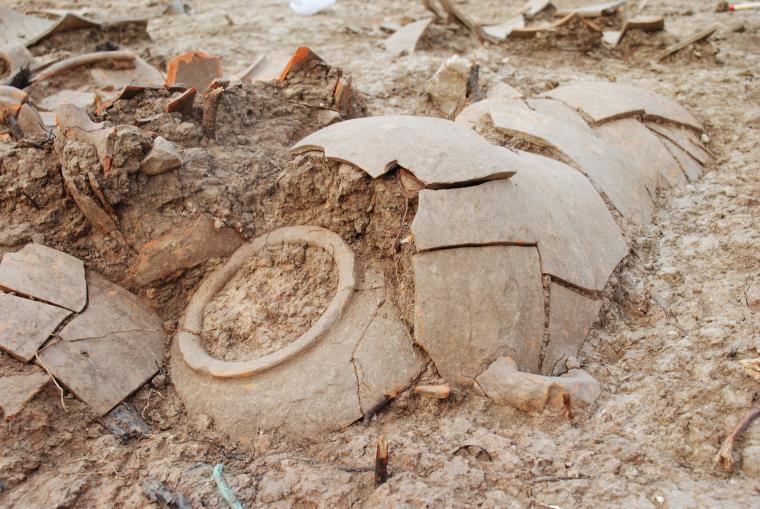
x=725 y=456
x=381 y=461
x=148 y=402
x=54 y=381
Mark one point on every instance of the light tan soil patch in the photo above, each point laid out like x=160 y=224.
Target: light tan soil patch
x=270 y=302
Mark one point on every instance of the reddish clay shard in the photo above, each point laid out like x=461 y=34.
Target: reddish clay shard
x=183 y=103
x=11 y=98
x=301 y=60
x=183 y=248
x=193 y=69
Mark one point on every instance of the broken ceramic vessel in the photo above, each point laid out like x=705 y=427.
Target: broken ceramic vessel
x=352 y=358
x=514 y=248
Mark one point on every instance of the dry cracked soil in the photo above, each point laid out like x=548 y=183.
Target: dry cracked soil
x=666 y=349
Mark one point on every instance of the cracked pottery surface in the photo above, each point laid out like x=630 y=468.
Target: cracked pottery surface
x=106 y=350
x=514 y=250
x=430 y=148
x=603 y=101
x=517 y=266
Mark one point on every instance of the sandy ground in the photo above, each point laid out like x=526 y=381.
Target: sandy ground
x=667 y=357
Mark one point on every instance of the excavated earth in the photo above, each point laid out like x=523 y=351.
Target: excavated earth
x=682 y=314
x=271 y=301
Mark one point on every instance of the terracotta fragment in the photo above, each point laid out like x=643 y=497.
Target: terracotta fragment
x=183 y=103
x=17 y=390
x=110 y=350
x=45 y=274
x=433 y=391
x=552 y=206
x=69 y=64
x=503 y=30
x=302 y=60
x=26 y=324
x=193 y=69
x=684 y=138
x=142 y=74
x=405 y=39
x=506 y=385
x=629 y=192
x=265 y=68
x=454 y=12
x=644 y=23
x=11 y=98
x=603 y=101
x=183 y=248
x=20 y=28
x=447 y=88
x=83 y=100
x=571 y=315
x=534 y=7
x=474 y=304
x=98 y=217
x=31 y=123
x=690 y=166
x=422 y=145
x=15 y=58
x=75 y=124
x=697 y=36
x=582 y=8
x=642 y=149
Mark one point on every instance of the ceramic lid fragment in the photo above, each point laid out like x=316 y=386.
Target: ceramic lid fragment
x=405 y=39
x=438 y=152
x=629 y=190
x=473 y=304
x=684 y=138
x=571 y=315
x=26 y=324
x=642 y=149
x=110 y=350
x=45 y=274
x=17 y=390
x=604 y=101
x=553 y=207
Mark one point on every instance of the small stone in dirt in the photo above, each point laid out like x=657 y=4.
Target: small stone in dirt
x=125 y=423
x=447 y=88
x=162 y=157
x=203 y=422
x=160 y=493
x=159 y=381
x=15 y=234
